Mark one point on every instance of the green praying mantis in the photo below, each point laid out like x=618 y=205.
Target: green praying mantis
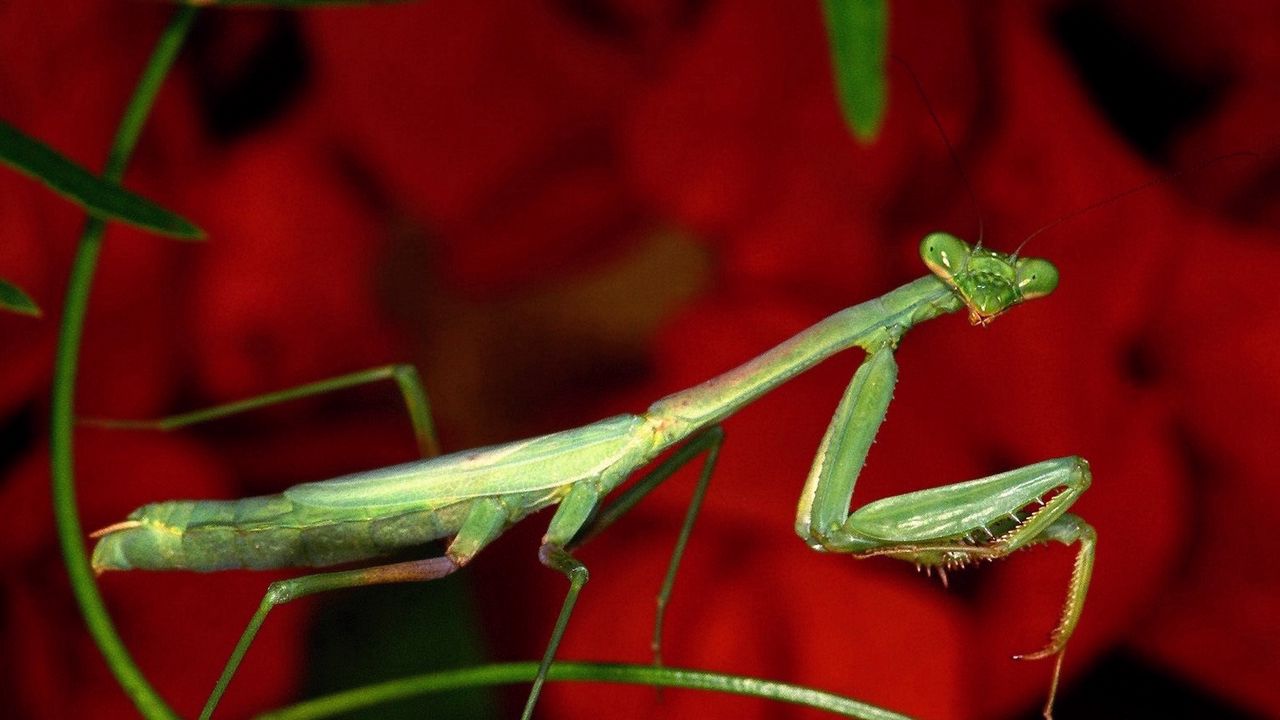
x=472 y=496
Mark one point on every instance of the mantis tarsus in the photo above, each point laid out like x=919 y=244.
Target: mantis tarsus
x=473 y=496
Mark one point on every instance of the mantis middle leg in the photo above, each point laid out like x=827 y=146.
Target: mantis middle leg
x=576 y=521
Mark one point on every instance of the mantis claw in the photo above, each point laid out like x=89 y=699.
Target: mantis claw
x=1053 y=648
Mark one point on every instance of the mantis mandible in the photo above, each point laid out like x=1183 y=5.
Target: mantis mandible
x=474 y=495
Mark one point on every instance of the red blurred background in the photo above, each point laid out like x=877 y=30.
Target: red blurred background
x=563 y=209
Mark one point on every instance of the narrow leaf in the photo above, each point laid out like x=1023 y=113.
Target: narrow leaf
x=858 y=30
x=13 y=299
x=100 y=198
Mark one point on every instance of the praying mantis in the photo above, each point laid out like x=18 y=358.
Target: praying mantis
x=472 y=497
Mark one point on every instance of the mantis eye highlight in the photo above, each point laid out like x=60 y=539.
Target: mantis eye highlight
x=1036 y=278
x=945 y=255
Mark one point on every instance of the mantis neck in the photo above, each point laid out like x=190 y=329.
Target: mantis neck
x=868 y=324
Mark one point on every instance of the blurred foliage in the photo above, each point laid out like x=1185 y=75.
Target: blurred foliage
x=859 y=37
x=13 y=299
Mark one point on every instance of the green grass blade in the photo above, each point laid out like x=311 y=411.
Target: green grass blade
x=101 y=198
x=13 y=299
x=65 y=365
x=522 y=672
x=859 y=32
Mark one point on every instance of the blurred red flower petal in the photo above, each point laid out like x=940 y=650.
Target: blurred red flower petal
x=446 y=127
x=285 y=290
x=1217 y=621
x=24 y=260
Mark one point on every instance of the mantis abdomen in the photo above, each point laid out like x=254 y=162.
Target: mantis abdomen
x=259 y=533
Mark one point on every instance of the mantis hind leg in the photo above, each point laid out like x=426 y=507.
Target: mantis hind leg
x=485 y=521
x=283 y=591
x=406 y=377
x=576 y=521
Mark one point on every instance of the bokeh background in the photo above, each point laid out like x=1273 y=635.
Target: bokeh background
x=563 y=209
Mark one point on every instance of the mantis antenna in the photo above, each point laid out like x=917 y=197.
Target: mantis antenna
x=951 y=150
x=1133 y=190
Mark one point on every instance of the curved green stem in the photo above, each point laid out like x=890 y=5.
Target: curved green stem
x=61 y=449
x=523 y=672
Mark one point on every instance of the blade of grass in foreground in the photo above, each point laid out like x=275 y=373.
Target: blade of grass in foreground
x=101 y=198
x=66 y=362
x=508 y=673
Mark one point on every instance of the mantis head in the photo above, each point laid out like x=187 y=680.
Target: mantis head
x=988 y=282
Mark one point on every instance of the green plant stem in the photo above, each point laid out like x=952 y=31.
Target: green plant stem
x=66 y=360
x=520 y=672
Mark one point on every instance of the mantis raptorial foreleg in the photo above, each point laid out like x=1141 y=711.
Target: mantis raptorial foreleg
x=944 y=527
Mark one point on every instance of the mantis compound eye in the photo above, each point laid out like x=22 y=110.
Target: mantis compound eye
x=945 y=255
x=1036 y=277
